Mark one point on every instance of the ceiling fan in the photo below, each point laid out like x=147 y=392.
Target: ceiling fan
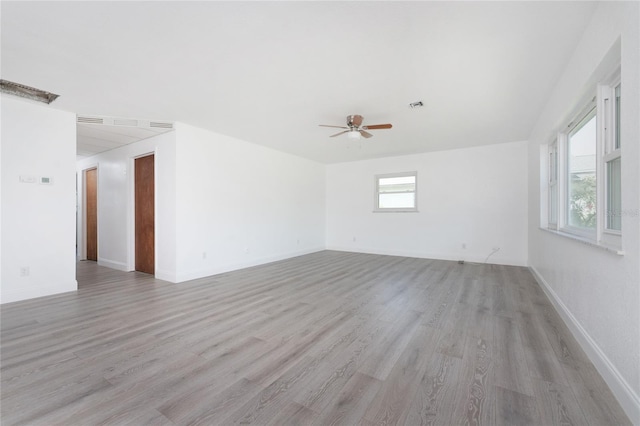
x=355 y=129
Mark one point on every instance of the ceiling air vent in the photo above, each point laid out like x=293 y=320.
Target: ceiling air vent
x=90 y=120
x=161 y=125
x=153 y=126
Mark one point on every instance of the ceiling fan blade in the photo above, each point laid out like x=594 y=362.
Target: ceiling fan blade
x=377 y=126
x=337 y=127
x=365 y=134
x=338 y=134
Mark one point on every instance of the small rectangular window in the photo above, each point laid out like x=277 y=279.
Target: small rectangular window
x=396 y=192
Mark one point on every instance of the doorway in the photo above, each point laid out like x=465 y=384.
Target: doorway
x=91 y=219
x=144 y=214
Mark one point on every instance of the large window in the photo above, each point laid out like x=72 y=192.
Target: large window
x=396 y=192
x=584 y=167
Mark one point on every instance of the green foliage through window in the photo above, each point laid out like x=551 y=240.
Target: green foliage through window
x=582 y=202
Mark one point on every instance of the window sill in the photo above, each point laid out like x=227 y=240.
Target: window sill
x=586 y=241
x=396 y=211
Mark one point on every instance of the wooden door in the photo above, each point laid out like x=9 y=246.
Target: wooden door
x=91 y=193
x=144 y=214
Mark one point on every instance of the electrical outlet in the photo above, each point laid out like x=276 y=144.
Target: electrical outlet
x=24 y=271
x=464 y=246
x=354 y=239
x=204 y=255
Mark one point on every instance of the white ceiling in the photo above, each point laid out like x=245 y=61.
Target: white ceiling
x=94 y=138
x=270 y=72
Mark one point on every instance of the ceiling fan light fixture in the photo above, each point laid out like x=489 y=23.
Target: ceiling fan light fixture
x=11 y=88
x=353 y=134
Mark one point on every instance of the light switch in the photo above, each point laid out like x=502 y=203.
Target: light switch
x=27 y=179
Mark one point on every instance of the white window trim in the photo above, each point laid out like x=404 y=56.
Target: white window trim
x=553 y=182
x=376 y=193
x=586 y=241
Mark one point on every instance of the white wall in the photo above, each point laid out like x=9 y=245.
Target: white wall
x=241 y=204
x=38 y=221
x=597 y=292
x=221 y=204
x=116 y=204
x=476 y=196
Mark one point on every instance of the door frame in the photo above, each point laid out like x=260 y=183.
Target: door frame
x=131 y=216
x=82 y=211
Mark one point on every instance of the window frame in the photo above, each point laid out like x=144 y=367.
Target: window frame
x=609 y=152
x=587 y=114
x=376 y=193
x=552 y=180
x=608 y=148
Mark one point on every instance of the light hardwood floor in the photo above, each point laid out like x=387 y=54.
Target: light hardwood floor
x=327 y=338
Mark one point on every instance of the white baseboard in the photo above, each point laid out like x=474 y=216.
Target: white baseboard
x=241 y=265
x=495 y=260
x=626 y=396
x=33 y=293
x=120 y=266
x=166 y=276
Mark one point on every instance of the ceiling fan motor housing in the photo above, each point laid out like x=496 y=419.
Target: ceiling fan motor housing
x=354 y=121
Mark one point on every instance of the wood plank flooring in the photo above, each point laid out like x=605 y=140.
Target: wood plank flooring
x=330 y=338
